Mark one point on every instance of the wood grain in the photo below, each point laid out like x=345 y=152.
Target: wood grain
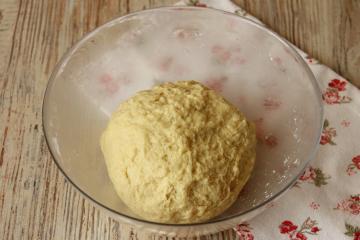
x=36 y=201
x=329 y=30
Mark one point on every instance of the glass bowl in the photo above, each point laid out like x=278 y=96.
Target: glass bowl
x=249 y=65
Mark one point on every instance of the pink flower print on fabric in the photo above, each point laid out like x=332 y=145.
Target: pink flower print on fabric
x=332 y=93
x=354 y=166
x=350 y=205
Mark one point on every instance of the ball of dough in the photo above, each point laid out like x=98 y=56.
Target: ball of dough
x=178 y=153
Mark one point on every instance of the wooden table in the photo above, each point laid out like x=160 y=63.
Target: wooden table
x=329 y=30
x=36 y=202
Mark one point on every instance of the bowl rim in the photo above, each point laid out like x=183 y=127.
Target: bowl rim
x=64 y=59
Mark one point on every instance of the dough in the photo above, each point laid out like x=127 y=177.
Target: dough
x=178 y=153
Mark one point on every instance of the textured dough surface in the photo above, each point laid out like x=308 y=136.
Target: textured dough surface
x=178 y=153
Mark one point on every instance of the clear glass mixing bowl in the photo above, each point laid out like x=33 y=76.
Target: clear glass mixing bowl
x=249 y=65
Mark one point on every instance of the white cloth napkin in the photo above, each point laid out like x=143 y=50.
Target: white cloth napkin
x=325 y=202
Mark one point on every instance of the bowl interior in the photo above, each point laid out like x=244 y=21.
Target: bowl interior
x=248 y=65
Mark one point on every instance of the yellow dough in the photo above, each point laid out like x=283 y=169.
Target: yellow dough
x=178 y=153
